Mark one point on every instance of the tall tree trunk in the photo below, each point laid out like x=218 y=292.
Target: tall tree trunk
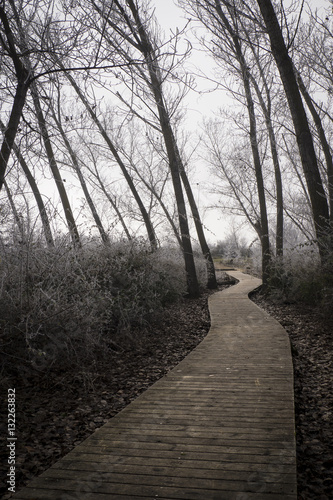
x=276 y=163
x=323 y=140
x=211 y=275
x=82 y=180
x=36 y=193
x=11 y=129
x=54 y=167
x=17 y=217
x=129 y=180
x=147 y=51
x=262 y=225
x=22 y=75
x=315 y=187
x=192 y=281
x=267 y=111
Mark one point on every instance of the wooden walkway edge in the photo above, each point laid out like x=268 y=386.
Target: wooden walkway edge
x=219 y=426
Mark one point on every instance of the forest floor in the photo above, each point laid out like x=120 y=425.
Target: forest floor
x=311 y=339
x=56 y=411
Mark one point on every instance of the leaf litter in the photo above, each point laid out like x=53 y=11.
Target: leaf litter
x=57 y=411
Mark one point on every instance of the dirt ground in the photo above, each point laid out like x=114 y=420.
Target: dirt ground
x=56 y=411
x=312 y=349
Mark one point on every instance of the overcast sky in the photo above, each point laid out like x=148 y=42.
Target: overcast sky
x=170 y=17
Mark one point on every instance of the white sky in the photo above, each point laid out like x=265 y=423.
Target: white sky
x=198 y=106
x=170 y=17
x=217 y=224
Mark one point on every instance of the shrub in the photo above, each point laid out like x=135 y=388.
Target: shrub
x=302 y=278
x=61 y=305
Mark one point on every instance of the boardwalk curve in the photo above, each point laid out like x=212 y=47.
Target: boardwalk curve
x=219 y=426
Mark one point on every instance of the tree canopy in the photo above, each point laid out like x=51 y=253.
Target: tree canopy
x=94 y=96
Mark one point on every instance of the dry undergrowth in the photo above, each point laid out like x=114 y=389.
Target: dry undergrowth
x=311 y=339
x=56 y=411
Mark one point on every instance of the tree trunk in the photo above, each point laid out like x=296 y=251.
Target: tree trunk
x=211 y=274
x=22 y=86
x=82 y=180
x=323 y=140
x=36 y=193
x=148 y=53
x=10 y=132
x=264 y=232
x=315 y=187
x=276 y=164
x=129 y=180
x=192 y=281
x=54 y=167
x=17 y=217
x=262 y=225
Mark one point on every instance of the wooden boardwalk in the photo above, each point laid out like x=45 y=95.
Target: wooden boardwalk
x=219 y=426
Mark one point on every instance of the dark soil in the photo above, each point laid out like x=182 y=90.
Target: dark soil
x=311 y=341
x=56 y=411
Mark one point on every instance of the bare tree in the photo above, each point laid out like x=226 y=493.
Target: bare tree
x=266 y=108
x=149 y=166
x=136 y=39
x=22 y=76
x=30 y=40
x=76 y=166
x=322 y=137
x=221 y=19
x=38 y=197
x=231 y=164
x=117 y=157
x=264 y=95
x=53 y=165
x=319 y=204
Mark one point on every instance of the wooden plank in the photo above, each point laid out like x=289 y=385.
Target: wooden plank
x=102 y=446
x=265 y=433
x=205 y=442
x=220 y=425
x=205 y=459
x=47 y=494
x=168 y=490
x=231 y=475
x=201 y=415
x=111 y=461
x=110 y=482
x=215 y=420
x=207 y=406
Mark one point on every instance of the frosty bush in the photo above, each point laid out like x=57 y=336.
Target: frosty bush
x=233 y=250
x=63 y=304
x=301 y=277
